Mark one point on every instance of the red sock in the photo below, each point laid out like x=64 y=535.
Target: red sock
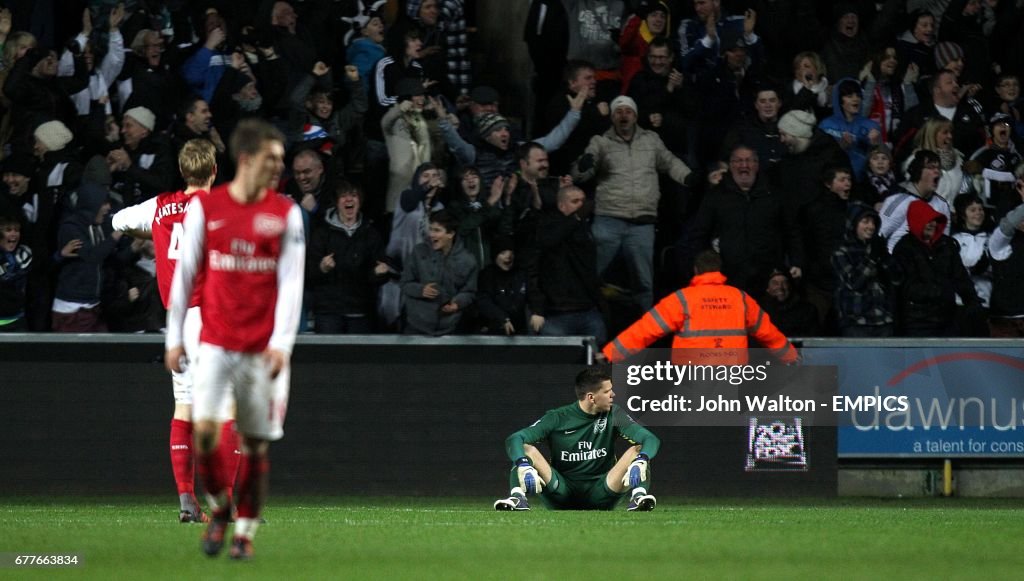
x=229 y=455
x=253 y=482
x=211 y=473
x=182 y=461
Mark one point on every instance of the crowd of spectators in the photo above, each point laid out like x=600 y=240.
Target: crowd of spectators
x=857 y=164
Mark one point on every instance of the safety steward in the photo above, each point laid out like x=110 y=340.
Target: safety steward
x=708 y=316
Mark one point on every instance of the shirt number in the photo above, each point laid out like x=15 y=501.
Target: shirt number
x=174 y=248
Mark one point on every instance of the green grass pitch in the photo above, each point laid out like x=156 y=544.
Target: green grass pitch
x=407 y=538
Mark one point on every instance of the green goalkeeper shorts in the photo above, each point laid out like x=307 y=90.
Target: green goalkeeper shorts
x=591 y=494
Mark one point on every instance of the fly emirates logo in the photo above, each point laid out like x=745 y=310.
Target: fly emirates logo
x=241 y=259
x=584 y=451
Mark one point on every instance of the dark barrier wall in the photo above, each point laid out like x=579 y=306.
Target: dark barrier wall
x=370 y=416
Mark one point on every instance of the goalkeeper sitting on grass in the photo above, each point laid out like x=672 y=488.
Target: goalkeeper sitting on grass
x=583 y=473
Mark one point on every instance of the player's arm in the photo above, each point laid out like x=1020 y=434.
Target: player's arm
x=530 y=479
x=290 y=267
x=137 y=220
x=529 y=435
x=637 y=472
x=193 y=245
x=634 y=433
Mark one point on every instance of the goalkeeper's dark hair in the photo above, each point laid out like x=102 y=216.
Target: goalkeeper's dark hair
x=590 y=380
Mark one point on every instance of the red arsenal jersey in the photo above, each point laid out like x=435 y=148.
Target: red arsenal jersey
x=253 y=257
x=162 y=216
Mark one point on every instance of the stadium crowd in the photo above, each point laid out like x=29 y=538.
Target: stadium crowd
x=856 y=164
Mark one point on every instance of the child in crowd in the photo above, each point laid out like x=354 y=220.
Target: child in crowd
x=971 y=230
x=881 y=180
x=15 y=263
x=866 y=278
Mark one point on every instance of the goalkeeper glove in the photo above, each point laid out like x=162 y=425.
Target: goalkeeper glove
x=529 y=478
x=637 y=471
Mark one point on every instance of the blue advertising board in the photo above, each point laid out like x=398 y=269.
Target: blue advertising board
x=957 y=402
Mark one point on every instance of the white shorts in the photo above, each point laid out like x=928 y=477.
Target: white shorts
x=190 y=335
x=222 y=377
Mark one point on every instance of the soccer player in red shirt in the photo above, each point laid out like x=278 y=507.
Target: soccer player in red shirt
x=160 y=218
x=248 y=241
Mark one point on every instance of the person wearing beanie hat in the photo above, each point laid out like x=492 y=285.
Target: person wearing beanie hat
x=949 y=55
x=18 y=170
x=144 y=165
x=809 y=152
x=623 y=101
x=626 y=161
x=797 y=123
x=494 y=155
x=51 y=136
x=19 y=164
x=143 y=117
x=488 y=123
x=854 y=132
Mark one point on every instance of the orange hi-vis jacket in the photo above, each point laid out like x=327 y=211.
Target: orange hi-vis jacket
x=707 y=315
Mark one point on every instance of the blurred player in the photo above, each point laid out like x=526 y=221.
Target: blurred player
x=248 y=240
x=583 y=473
x=161 y=219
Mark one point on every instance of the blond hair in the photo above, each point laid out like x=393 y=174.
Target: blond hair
x=16 y=41
x=815 y=59
x=928 y=136
x=197 y=161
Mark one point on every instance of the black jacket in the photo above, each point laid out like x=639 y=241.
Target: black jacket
x=933 y=276
x=36 y=100
x=823 y=223
x=81 y=277
x=755 y=234
x=797 y=177
x=500 y=295
x=564 y=276
x=153 y=170
x=679 y=109
x=351 y=287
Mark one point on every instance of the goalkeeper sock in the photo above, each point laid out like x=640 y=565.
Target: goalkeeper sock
x=253 y=482
x=230 y=456
x=182 y=459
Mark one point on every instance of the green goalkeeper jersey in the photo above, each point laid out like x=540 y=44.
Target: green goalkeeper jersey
x=582 y=445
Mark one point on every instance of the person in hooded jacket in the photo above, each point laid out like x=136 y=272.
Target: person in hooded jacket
x=345 y=266
x=854 y=132
x=76 y=308
x=934 y=275
x=866 y=278
x=409 y=225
